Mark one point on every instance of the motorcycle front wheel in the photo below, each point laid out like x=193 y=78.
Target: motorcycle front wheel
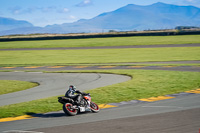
x=69 y=110
x=94 y=107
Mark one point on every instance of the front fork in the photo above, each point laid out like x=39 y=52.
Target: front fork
x=88 y=103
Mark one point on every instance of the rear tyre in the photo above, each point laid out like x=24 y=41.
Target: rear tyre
x=94 y=107
x=68 y=109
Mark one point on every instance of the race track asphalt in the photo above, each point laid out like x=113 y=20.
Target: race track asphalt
x=177 y=115
x=185 y=121
x=106 y=67
x=54 y=84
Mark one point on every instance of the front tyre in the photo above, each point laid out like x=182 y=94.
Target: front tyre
x=94 y=107
x=69 y=110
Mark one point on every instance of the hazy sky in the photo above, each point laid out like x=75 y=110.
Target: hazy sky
x=48 y=12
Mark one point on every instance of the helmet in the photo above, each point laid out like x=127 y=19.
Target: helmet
x=72 y=87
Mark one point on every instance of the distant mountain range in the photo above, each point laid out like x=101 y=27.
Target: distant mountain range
x=127 y=18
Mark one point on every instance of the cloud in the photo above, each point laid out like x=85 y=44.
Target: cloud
x=15 y=10
x=19 y=10
x=195 y=3
x=192 y=2
x=85 y=3
x=72 y=17
x=63 y=10
x=47 y=9
x=189 y=0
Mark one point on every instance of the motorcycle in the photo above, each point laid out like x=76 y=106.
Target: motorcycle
x=70 y=108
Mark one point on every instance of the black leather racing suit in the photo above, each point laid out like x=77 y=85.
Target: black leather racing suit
x=75 y=97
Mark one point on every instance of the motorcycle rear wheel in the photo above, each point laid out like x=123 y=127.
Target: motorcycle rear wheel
x=67 y=108
x=94 y=107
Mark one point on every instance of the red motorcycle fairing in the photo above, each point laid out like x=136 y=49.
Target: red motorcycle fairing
x=88 y=98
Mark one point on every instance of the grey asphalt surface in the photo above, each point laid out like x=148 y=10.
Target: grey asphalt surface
x=115 y=66
x=178 y=115
x=186 y=121
x=54 y=84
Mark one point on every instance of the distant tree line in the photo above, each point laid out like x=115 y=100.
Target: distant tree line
x=186 y=27
x=179 y=30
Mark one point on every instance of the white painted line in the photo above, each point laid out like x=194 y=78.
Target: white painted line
x=34 y=72
x=19 y=71
x=161 y=107
x=20 y=131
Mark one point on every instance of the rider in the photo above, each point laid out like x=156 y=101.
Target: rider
x=77 y=97
x=70 y=94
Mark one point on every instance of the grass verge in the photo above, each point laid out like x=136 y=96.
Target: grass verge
x=110 y=41
x=144 y=84
x=8 y=86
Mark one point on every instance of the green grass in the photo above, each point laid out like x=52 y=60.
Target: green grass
x=144 y=84
x=111 y=41
x=8 y=86
x=68 y=57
